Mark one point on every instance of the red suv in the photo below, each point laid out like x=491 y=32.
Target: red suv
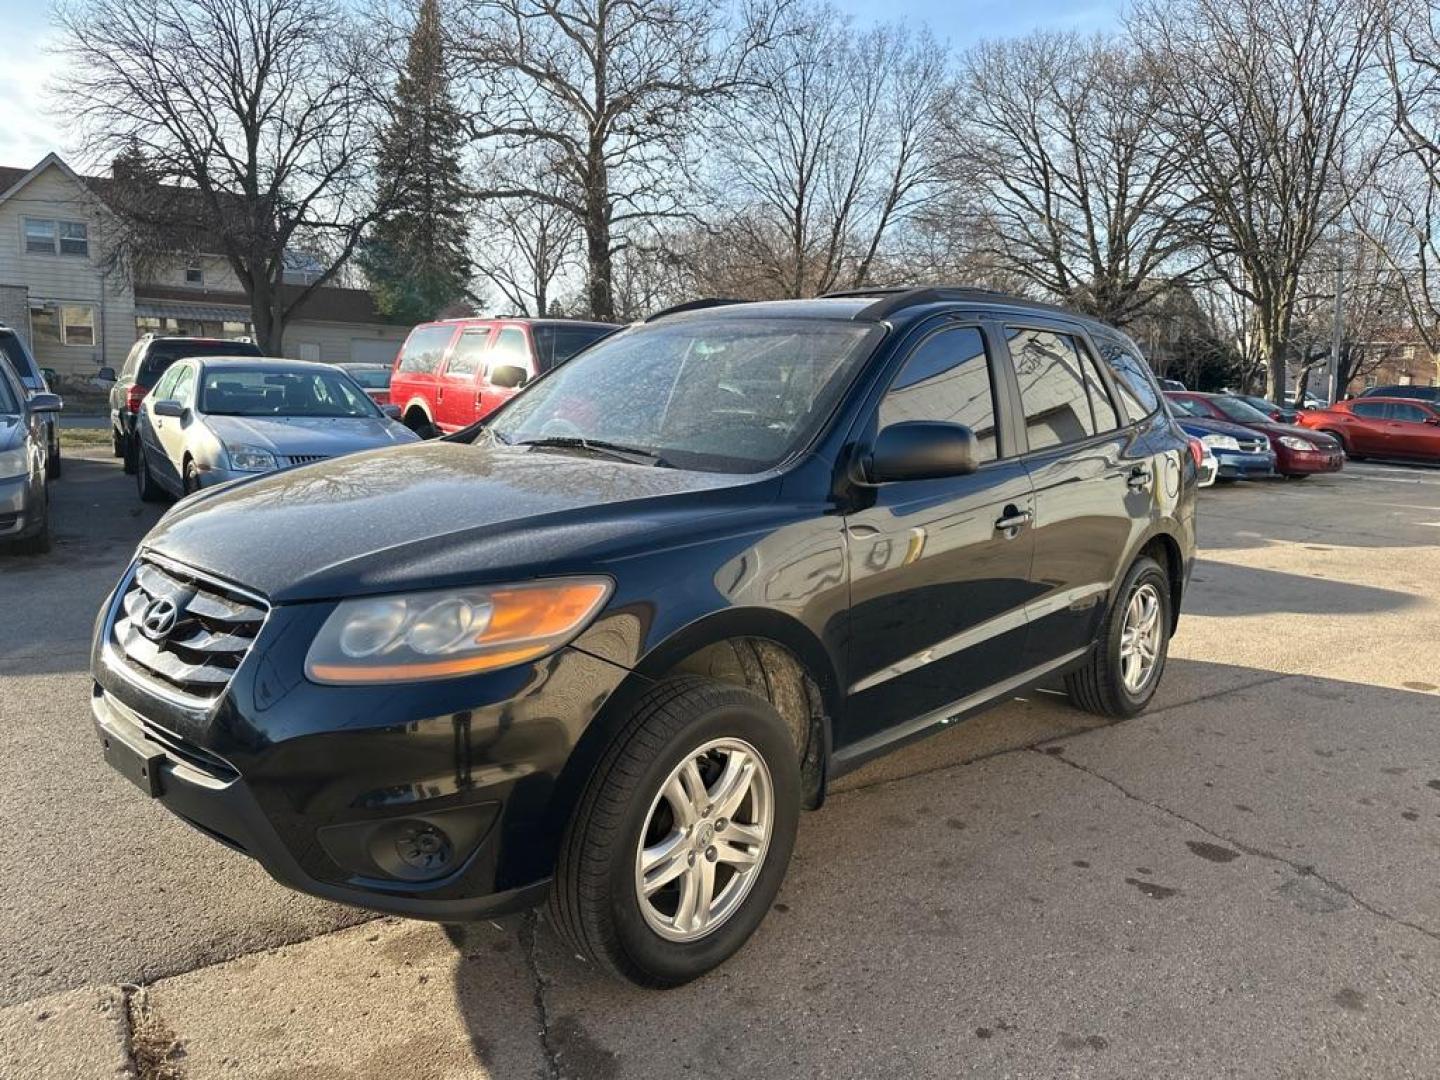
x=1382 y=427
x=451 y=374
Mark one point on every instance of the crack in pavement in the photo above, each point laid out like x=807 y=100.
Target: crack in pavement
x=1303 y=869
x=528 y=930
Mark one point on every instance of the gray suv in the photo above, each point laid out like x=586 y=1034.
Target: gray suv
x=32 y=379
x=24 y=464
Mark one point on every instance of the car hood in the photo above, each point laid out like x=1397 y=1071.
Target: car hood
x=1196 y=425
x=1276 y=430
x=321 y=436
x=434 y=515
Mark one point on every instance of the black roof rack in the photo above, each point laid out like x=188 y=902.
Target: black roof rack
x=693 y=305
x=898 y=298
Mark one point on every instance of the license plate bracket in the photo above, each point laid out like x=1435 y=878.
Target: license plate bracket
x=141 y=768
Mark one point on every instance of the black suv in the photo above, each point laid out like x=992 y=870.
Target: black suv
x=607 y=644
x=148 y=359
x=32 y=379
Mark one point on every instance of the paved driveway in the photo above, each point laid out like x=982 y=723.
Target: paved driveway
x=1241 y=882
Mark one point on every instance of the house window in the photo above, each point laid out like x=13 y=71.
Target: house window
x=194 y=274
x=45 y=236
x=77 y=324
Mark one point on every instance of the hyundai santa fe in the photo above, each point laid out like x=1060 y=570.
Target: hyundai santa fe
x=600 y=650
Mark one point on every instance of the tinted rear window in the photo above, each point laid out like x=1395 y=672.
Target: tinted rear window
x=162 y=354
x=1132 y=378
x=556 y=344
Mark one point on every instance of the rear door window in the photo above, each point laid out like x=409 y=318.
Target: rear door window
x=1370 y=410
x=468 y=354
x=946 y=378
x=424 y=350
x=1052 y=387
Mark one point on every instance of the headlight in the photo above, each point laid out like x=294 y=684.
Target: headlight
x=250 y=459
x=1292 y=442
x=439 y=635
x=14 y=462
x=1220 y=442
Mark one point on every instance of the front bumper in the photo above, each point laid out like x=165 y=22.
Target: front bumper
x=327 y=787
x=15 y=508
x=1304 y=462
x=1242 y=466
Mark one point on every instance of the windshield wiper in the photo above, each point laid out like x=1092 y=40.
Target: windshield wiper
x=632 y=454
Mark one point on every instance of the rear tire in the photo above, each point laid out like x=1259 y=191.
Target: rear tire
x=117 y=443
x=420 y=424
x=637 y=820
x=145 y=484
x=130 y=452
x=191 y=480
x=1101 y=686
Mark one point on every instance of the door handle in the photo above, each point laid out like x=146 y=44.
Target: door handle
x=1139 y=479
x=1013 y=520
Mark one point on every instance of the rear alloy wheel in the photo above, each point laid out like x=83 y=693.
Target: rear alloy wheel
x=683 y=835
x=1121 y=674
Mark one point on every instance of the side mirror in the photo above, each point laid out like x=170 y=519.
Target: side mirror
x=105 y=374
x=392 y=411
x=921 y=450
x=169 y=408
x=508 y=376
x=46 y=403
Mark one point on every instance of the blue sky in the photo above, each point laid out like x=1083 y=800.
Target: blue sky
x=28 y=130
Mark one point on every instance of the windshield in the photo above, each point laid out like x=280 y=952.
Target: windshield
x=13 y=349
x=376 y=378
x=233 y=391
x=1240 y=412
x=717 y=395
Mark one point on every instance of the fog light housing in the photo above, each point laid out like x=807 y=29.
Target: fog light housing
x=415 y=847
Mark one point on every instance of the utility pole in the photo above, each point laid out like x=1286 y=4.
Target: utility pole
x=1337 y=331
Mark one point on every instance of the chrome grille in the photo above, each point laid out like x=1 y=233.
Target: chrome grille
x=304 y=459
x=213 y=629
x=1253 y=445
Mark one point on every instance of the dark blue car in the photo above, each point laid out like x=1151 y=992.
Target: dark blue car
x=1241 y=453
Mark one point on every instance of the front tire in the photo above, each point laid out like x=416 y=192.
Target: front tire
x=682 y=836
x=1122 y=672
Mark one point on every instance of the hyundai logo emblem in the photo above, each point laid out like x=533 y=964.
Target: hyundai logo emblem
x=159 y=618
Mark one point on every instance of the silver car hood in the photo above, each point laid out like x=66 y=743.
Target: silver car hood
x=309 y=435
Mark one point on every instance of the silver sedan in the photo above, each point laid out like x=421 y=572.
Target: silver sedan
x=24 y=464
x=214 y=419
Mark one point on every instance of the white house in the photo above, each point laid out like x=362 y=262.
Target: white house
x=56 y=291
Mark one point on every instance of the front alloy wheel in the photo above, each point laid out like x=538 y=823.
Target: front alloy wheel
x=704 y=840
x=682 y=836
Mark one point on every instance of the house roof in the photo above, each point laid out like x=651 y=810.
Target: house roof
x=325 y=304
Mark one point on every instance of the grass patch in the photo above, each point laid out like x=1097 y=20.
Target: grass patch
x=83 y=438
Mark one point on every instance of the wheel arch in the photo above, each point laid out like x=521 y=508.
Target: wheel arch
x=769 y=653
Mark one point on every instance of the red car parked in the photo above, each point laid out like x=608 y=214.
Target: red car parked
x=451 y=374
x=1381 y=427
x=1298 y=451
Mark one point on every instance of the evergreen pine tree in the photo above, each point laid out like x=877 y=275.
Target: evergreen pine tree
x=416 y=256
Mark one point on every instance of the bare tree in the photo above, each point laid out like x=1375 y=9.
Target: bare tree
x=610 y=90
x=1063 y=175
x=833 y=148
x=527 y=245
x=1268 y=105
x=254 y=120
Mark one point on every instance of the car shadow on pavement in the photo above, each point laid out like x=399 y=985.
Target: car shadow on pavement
x=1235 y=883
x=1227 y=589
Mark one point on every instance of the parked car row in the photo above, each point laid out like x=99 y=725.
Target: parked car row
x=1248 y=444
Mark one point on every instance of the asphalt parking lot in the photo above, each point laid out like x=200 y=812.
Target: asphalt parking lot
x=1239 y=883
